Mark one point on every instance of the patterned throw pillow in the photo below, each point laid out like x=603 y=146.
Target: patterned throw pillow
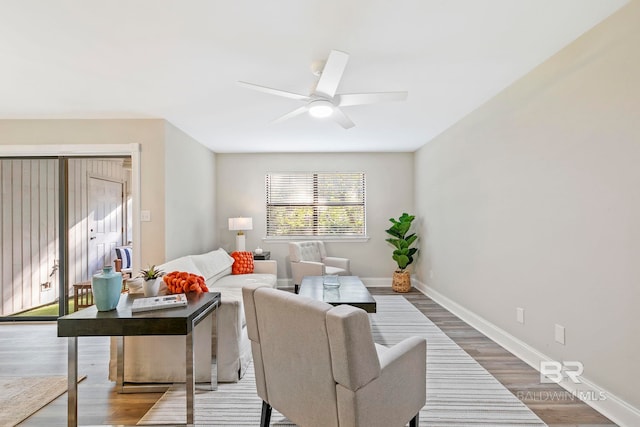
x=124 y=253
x=243 y=262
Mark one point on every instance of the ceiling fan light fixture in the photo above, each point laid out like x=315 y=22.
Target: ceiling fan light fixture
x=320 y=108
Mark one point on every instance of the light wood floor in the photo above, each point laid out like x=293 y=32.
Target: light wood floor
x=34 y=349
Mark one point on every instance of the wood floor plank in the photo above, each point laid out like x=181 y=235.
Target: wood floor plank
x=35 y=349
x=550 y=402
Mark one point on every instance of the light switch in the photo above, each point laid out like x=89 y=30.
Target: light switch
x=145 y=216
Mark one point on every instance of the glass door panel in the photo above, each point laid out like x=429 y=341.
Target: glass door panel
x=29 y=260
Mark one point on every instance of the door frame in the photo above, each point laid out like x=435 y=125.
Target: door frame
x=123 y=212
x=90 y=150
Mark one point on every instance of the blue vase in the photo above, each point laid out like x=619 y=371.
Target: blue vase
x=106 y=288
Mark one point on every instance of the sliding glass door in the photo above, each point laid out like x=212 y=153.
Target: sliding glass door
x=29 y=231
x=42 y=270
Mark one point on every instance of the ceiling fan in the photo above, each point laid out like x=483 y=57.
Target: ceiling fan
x=323 y=100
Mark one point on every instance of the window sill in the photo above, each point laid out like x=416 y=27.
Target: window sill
x=342 y=239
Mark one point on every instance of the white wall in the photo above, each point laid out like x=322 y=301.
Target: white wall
x=533 y=201
x=189 y=195
x=148 y=133
x=240 y=187
x=174 y=168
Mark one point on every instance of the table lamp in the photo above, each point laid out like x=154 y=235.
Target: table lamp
x=240 y=224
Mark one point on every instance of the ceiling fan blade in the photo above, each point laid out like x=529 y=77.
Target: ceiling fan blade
x=341 y=118
x=291 y=114
x=272 y=91
x=332 y=73
x=348 y=99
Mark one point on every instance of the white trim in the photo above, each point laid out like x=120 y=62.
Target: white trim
x=284 y=283
x=341 y=239
x=71 y=150
x=377 y=282
x=616 y=409
x=372 y=282
x=79 y=150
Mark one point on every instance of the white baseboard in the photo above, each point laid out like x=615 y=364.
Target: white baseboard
x=605 y=402
x=374 y=282
x=377 y=282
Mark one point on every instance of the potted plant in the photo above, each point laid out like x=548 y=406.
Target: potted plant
x=403 y=252
x=151 y=277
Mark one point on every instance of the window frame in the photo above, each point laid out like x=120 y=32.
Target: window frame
x=316 y=205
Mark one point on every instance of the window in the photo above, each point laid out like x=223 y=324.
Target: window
x=319 y=204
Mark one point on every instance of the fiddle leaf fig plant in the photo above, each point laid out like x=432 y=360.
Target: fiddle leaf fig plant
x=402 y=241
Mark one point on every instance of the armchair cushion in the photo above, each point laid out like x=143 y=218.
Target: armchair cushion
x=310 y=258
x=305 y=251
x=353 y=354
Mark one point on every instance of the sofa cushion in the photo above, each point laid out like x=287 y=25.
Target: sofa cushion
x=243 y=262
x=179 y=264
x=213 y=265
x=240 y=280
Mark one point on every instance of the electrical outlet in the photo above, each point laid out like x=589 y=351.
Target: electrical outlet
x=520 y=315
x=559 y=334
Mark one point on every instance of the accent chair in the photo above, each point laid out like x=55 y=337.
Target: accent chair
x=310 y=258
x=318 y=365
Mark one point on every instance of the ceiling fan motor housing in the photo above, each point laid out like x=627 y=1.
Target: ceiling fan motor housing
x=320 y=108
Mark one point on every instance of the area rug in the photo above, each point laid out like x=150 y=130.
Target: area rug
x=20 y=397
x=460 y=392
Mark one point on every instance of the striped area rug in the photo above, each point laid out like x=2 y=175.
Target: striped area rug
x=460 y=392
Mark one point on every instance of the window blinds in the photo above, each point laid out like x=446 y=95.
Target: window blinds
x=316 y=204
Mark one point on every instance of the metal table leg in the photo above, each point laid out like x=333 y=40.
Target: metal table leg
x=72 y=385
x=190 y=382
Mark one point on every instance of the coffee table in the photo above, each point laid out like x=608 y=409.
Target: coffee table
x=351 y=291
x=120 y=322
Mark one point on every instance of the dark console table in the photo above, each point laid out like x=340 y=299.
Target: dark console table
x=121 y=322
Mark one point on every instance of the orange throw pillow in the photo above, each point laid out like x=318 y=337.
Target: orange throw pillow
x=242 y=262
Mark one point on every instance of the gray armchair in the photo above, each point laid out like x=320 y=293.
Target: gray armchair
x=310 y=259
x=318 y=364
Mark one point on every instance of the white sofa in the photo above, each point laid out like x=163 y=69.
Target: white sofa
x=161 y=359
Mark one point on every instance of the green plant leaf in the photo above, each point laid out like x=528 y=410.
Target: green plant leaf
x=403 y=253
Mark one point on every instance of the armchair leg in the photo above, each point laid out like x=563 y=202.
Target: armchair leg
x=296 y=288
x=415 y=421
x=265 y=417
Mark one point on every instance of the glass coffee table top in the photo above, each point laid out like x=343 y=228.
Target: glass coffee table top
x=351 y=291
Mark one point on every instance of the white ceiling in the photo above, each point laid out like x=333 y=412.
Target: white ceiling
x=180 y=60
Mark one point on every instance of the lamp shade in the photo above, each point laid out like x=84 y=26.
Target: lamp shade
x=240 y=223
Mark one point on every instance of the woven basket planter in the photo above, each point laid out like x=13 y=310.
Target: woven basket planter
x=401 y=281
